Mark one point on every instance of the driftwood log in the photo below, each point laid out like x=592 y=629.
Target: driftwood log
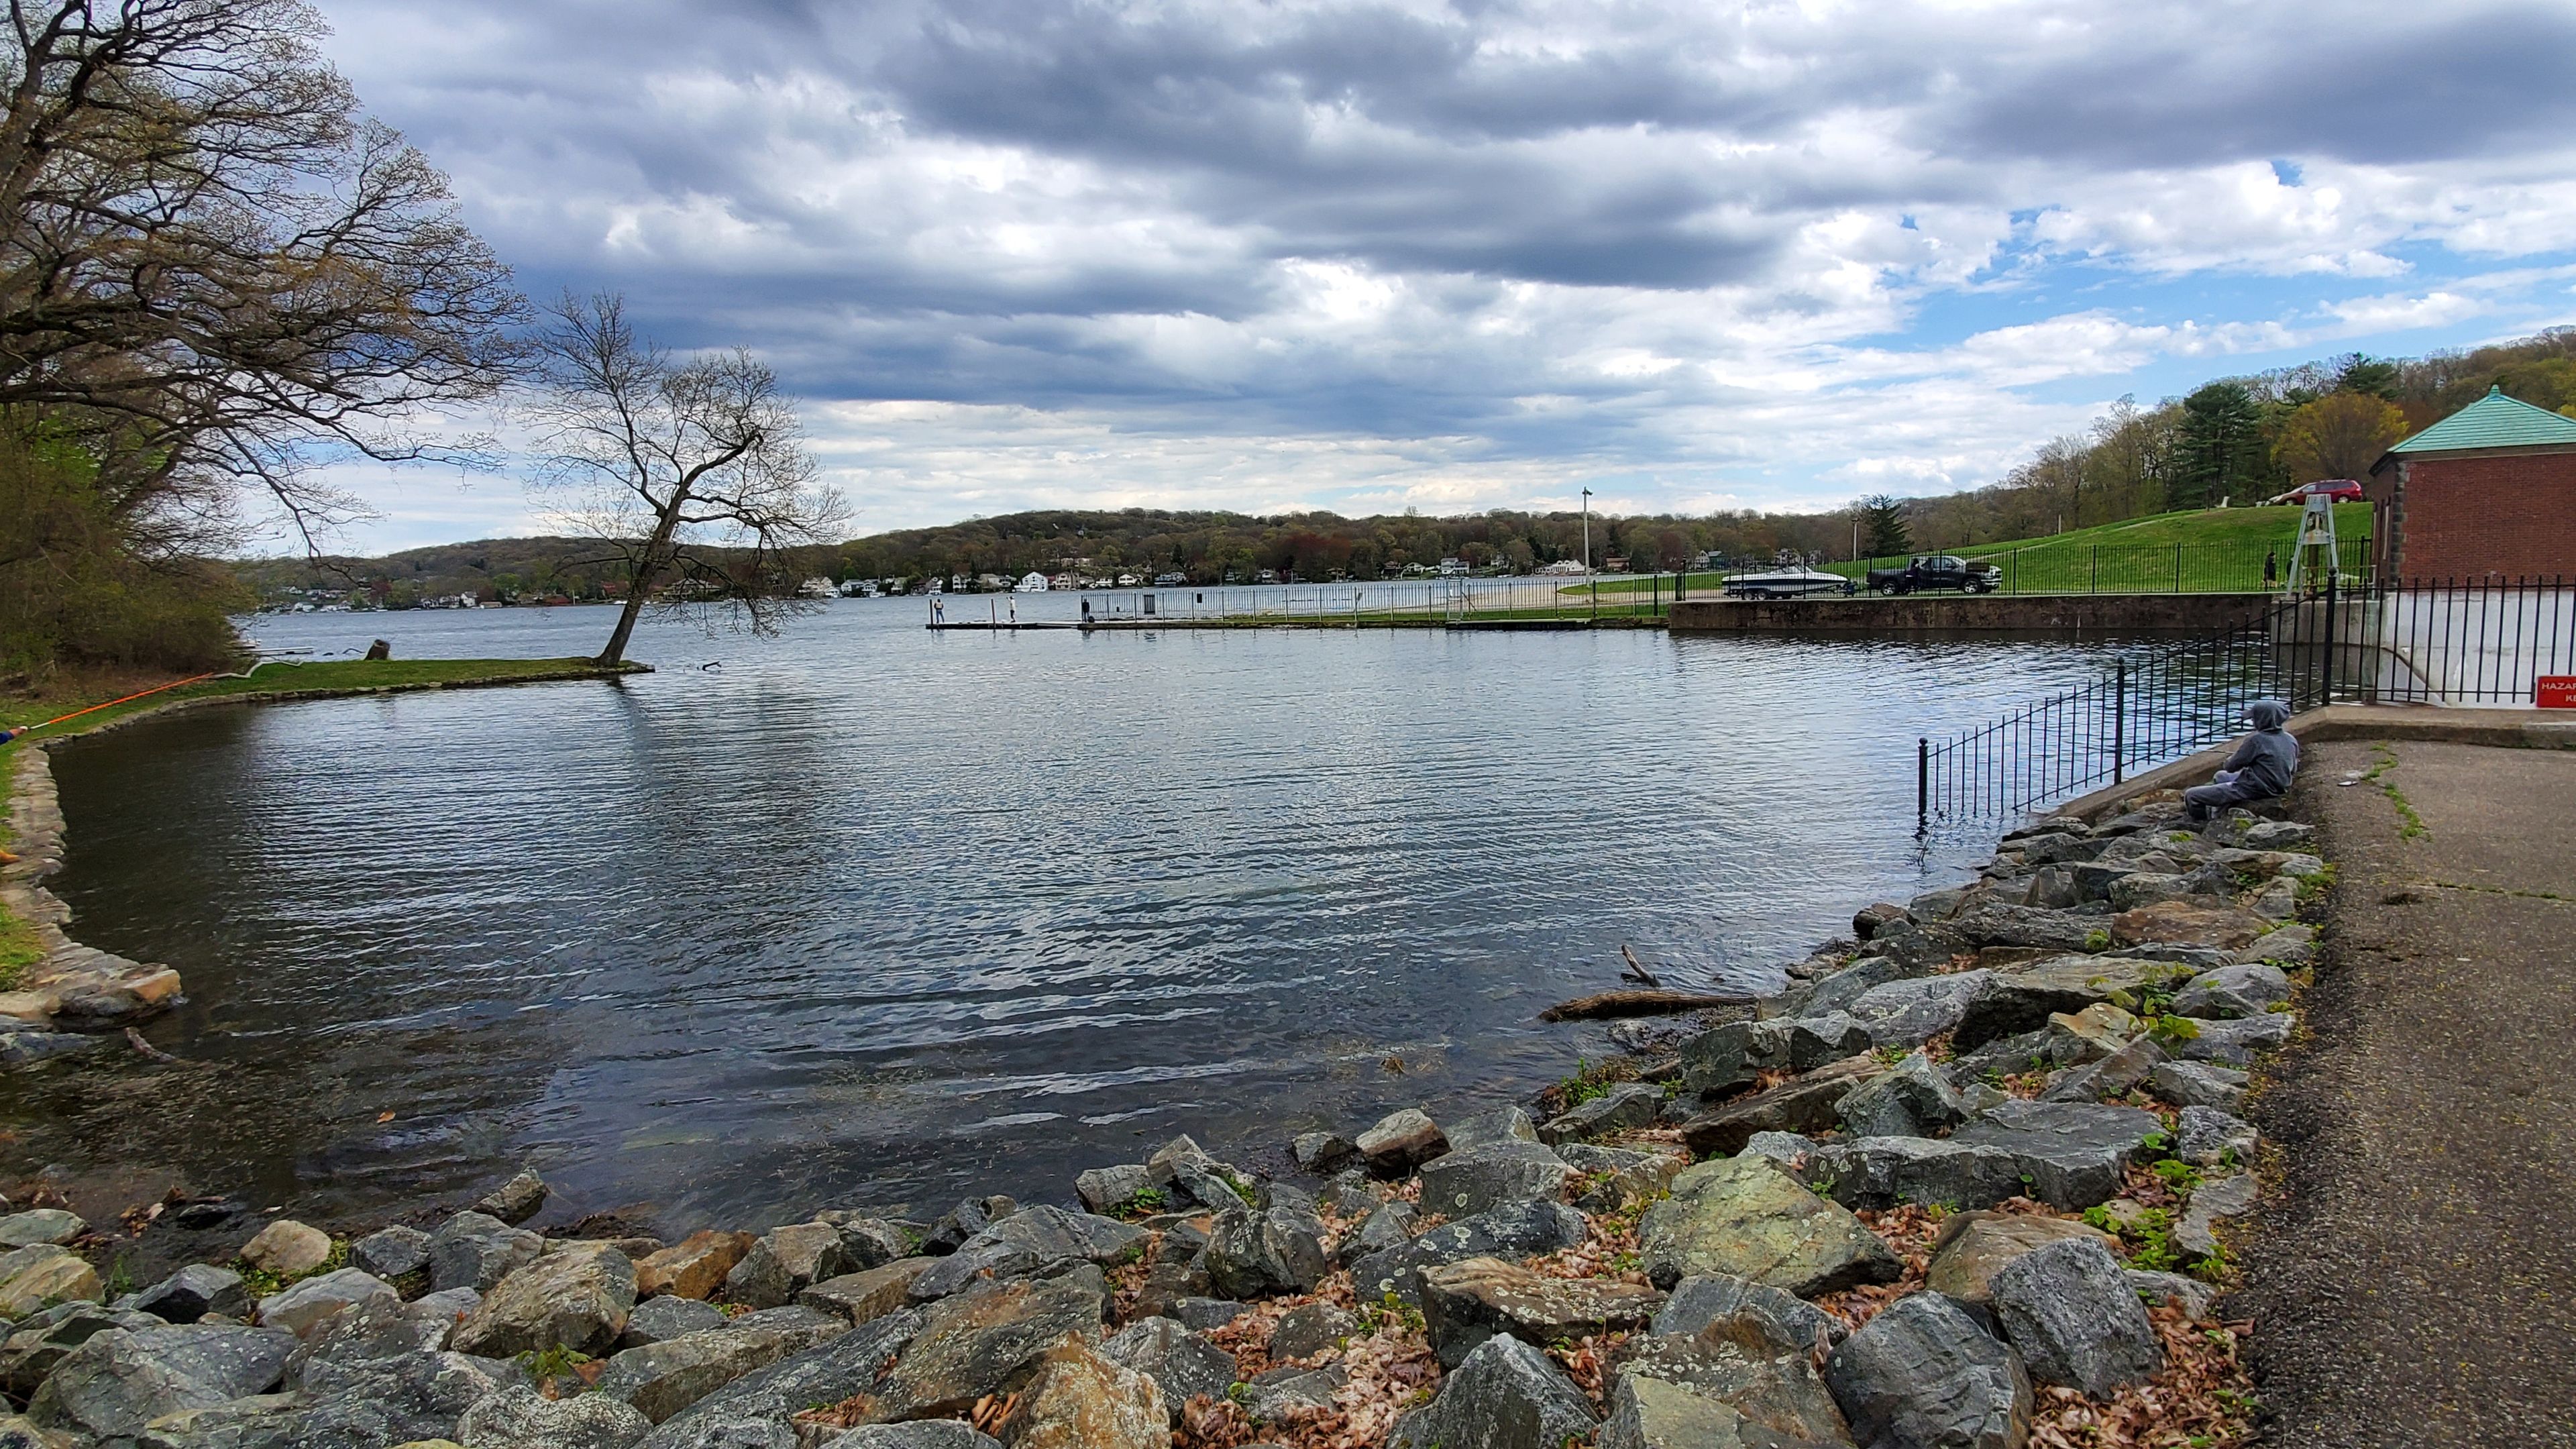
x=1609 y=1004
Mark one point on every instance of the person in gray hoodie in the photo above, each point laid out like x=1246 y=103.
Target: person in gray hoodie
x=2259 y=770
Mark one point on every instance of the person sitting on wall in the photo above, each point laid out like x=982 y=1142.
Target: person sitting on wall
x=2259 y=770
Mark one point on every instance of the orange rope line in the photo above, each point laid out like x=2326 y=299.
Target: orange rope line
x=129 y=699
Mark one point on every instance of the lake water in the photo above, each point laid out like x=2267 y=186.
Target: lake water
x=868 y=914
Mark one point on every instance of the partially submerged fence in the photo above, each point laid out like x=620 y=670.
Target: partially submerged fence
x=2482 y=642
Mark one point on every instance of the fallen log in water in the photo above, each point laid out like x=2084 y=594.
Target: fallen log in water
x=1635 y=1003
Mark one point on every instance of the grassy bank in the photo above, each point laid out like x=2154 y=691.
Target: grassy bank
x=2210 y=550
x=288 y=679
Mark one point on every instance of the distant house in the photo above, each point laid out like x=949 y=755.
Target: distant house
x=1173 y=580
x=2489 y=491
x=1563 y=566
x=1031 y=582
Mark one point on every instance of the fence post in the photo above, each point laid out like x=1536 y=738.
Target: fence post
x=2097 y=570
x=2119 y=718
x=2177 y=568
x=1922 y=783
x=2332 y=609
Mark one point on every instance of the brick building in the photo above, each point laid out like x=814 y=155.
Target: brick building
x=2489 y=491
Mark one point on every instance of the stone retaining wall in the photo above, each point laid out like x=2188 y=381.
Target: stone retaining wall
x=2071 y=615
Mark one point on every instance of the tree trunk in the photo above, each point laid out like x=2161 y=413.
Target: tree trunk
x=640 y=580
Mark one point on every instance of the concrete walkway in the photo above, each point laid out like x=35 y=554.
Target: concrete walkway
x=2412 y=1272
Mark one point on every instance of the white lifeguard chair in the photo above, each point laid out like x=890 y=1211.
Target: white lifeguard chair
x=2313 y=556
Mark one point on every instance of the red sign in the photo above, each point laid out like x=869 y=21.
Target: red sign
x=2554 y=691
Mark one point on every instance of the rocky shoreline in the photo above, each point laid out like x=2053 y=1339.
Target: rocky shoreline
x=76 y=998
x=1963 y=1182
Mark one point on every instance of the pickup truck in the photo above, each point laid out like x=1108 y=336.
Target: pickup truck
x=1937 y=571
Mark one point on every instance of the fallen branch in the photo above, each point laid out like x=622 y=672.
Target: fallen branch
x=1636 y=972
x=1635 y=1003
x=135 y=1039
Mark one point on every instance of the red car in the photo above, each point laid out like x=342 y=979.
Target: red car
x=2341 y=490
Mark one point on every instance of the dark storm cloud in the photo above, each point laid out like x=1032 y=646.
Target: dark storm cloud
x=1138 y=208
x=2209 y=84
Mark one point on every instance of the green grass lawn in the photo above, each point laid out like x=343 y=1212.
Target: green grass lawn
x=2220 y=550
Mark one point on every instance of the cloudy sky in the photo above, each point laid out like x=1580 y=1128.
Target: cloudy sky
x=1217 y=253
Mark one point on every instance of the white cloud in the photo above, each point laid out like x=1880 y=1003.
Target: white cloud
x=1226 y=253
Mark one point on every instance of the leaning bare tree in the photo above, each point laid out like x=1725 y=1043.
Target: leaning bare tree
x=691 y=471
x=220 y=274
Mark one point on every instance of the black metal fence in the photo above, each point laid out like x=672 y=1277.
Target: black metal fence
x=2474 y=642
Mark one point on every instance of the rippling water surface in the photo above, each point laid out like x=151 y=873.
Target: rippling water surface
x=872 y=914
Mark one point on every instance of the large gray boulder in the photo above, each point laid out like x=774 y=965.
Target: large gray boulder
x=1974 y=1246
x=1252 y=1252
x=2207 y=1137
x=515 y=1201
x=787 y=1261
x=987 y=1340
x=1466 y=1182
x=743 y=1413
x=389 y=1253
x=1483 y=1129
x=1106 y=1189
x=1741 y=1308
x=1401 y=1141
x=2233 y=991
x=1184 y=1364
x=1724 y=1058
x=1028 y=1243
x=1608 y=1177
x=1780 y=1393
x=1465 y=1303
x=1515 y=1231
x=2071 y=1153
x=2070 y=1310
x=1921 y=1372
x=659 y=1320
x=1388 y=1225
x=2111 y=1076
x=1882 y=1172
x=661 y=1379
x=1505 y=1395
x=924 y=1434
x=1997 y=923
x=113 y=1385
x=576 y=1297
x=2213 y=1202
x=517 y=1418
x=195 y=1291
x=1838 y=991
x=477 y=1251
x=1806 y=1103
x=1911 y=1100
x=2199 y=1084
x=368 y=1377
x=1322 y=1152
x=1651 y=1413
x=1907 y=1013
x=36 y=1344
x=2022 y=998
x=1623 y=1108
x=2235 y=1043
x=302 y=1306
x=867 y=1295
x=1746 y=1218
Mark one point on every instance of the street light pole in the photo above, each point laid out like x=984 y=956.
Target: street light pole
x=1590 y=585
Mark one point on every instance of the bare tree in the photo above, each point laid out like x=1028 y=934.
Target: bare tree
x=691 y=471
x=217 y=270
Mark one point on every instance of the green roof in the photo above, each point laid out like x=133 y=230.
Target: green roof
x=2494 y=421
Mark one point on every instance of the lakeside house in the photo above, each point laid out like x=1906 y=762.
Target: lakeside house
x=1031 y=582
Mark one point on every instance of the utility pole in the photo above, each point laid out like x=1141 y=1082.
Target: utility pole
x=1589 y=585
